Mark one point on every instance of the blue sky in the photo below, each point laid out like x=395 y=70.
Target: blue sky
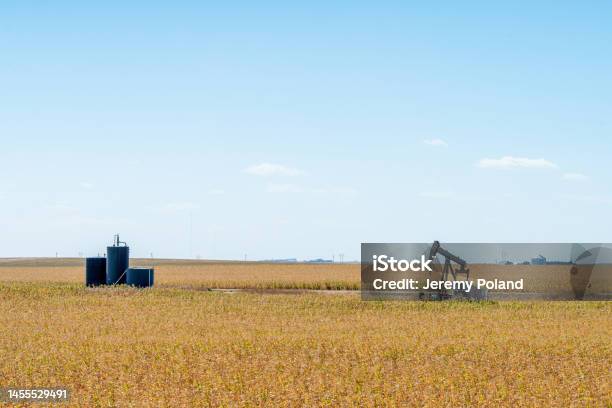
x=280 y=130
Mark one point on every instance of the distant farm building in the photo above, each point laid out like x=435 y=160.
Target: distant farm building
x=319 y=260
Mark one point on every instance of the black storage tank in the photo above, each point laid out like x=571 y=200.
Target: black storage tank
x=95 y=271
x=118 y=260
x=140 y=277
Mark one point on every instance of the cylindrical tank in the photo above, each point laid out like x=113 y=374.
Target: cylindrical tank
x=95 y=271
x=140 y=277
x=118 y=260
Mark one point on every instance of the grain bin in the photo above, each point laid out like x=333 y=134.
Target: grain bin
x=118 y=260
x=140 y=277
x=95 y=271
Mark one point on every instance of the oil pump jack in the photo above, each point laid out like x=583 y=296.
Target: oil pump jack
x=448 y=264
x=453 y=266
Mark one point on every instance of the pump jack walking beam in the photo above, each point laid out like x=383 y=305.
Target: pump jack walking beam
x=448 y=263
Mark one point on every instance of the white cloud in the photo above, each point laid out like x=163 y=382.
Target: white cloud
x=436 y=142
x=216 y=192
x=86 y=185
x=575 y=177
x=509 y=162
x=270 y=169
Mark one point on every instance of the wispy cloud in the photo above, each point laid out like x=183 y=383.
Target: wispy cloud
x=86 y=185
x=575 y=177
x=510 y=162
x=435 y=142
x=216 y=192
x=270 y=169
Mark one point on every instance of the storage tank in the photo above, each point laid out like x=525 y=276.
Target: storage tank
x=140 y=277
x=118 y=260
x=95 y=271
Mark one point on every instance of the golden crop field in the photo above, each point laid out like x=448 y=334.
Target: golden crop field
x=197 y=274
x=175 y=347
